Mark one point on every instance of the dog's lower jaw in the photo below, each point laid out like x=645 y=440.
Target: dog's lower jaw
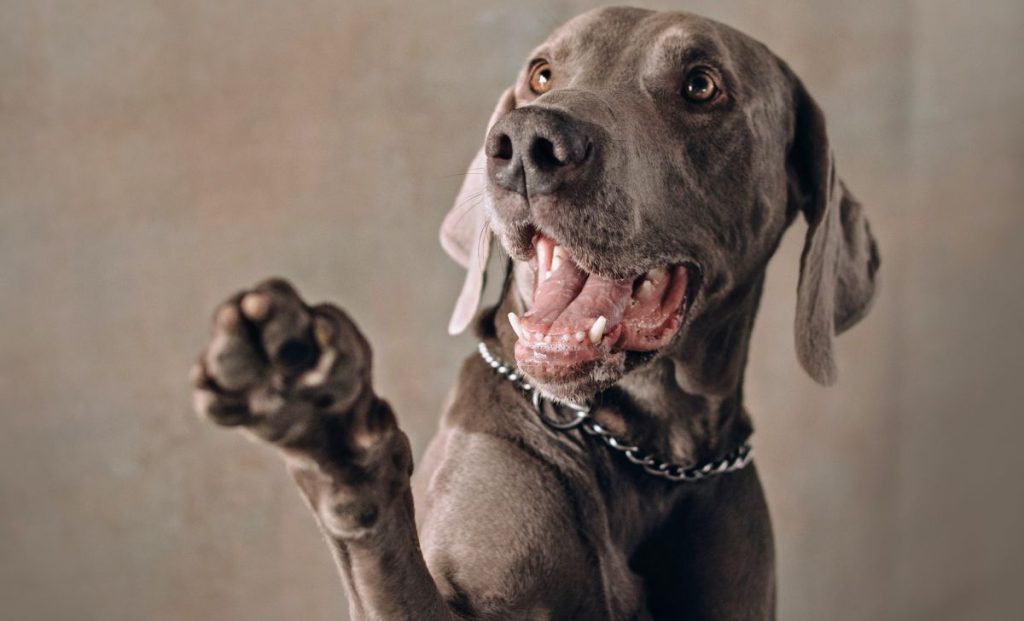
x=581 y=383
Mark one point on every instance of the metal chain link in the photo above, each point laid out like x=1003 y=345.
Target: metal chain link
x=735 y=460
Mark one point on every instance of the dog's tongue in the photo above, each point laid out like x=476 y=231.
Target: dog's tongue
x=577 y=317
x=570 y=300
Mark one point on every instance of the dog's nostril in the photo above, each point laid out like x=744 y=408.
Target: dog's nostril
x=543 y=154
x=505 y=150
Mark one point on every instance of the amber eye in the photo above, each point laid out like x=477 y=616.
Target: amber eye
x=540 y=77
x=700 y=86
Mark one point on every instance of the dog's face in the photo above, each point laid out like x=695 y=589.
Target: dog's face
x=641 y=172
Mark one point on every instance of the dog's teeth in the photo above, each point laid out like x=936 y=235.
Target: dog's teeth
x=656 y=274
x=645 y=290
x=565 y=338
x=558 y=255
x=543 y=262
x=597 y=330
x=547 y=339
x=513 y=320
x=580 y=336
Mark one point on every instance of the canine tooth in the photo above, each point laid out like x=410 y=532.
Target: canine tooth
x=547 y=339
x=597 y=330
x=565 y=338
x=513 y=320
x=656 y=274
x=580 y=336
x=645 y=290
x=558 y=255
x=543 y=262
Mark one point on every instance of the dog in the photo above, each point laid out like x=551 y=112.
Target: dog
x=592 y=460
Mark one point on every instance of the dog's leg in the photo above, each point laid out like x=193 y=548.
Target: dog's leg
x=298 y=378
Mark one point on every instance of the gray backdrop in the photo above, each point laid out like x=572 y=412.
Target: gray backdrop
x=155 y=156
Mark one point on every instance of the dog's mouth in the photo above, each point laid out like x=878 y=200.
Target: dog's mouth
x=579 y=319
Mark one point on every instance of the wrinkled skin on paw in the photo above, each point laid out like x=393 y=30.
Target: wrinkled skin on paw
x=298 y=377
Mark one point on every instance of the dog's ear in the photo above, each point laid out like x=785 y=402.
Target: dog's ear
x=465 y=235
x=840 y=260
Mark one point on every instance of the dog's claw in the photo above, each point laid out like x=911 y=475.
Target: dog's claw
x=196 y=375
x=256 y=306
x=323 y=331
x=228 y=318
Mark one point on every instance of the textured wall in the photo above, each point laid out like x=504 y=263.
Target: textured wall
x=155 y=156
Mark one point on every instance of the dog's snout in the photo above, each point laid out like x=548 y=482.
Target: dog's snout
x=534 y=151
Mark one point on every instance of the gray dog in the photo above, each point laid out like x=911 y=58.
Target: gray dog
x=640 y=174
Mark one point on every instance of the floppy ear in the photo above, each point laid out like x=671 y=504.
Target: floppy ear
x=465 y=235
x=840 y=257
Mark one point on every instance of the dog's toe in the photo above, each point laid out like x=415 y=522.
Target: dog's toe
x=214 y=403
x=233 y=360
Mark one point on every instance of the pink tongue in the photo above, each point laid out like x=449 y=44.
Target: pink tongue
x=570 y=300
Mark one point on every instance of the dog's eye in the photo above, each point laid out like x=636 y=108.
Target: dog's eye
x=700 y=86
x=540 y=77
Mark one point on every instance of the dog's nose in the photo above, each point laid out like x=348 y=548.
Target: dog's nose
x=533 y=150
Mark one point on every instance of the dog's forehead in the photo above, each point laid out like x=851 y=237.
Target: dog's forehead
x=609 y=34
x=636 y=49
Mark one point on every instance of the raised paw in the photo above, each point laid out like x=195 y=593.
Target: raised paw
x=294 y=375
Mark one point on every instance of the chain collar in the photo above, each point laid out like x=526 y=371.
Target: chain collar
x=736 y=460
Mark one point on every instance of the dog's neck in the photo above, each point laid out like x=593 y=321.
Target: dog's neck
x=688 y=403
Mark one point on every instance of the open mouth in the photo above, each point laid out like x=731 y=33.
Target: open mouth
x=579 y=318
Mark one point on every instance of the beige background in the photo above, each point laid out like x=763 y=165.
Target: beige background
x=157 y=155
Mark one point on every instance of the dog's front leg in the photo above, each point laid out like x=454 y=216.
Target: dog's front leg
x=298 y=378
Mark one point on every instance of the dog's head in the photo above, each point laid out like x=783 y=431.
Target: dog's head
x=640 y=173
